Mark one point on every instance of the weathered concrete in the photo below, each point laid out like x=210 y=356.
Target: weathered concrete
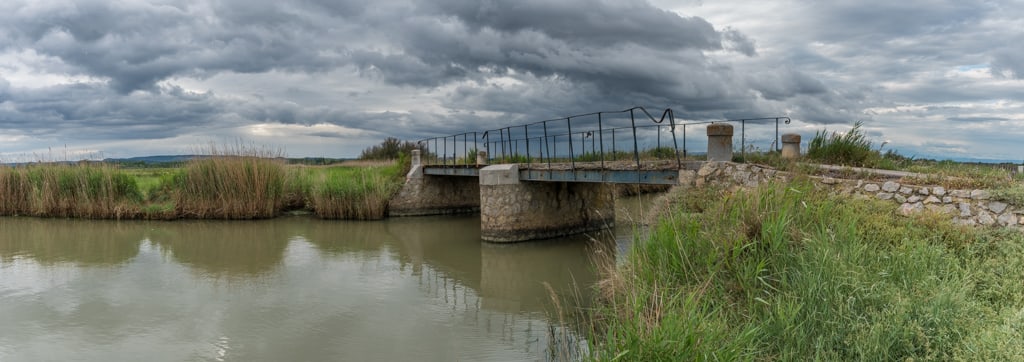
x=720 y=142
x=513 y=210
x=435 y=195
x=790 y=145
x=481 y=157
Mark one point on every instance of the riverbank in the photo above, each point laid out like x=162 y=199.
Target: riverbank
x=790 y=271
x=217 y=187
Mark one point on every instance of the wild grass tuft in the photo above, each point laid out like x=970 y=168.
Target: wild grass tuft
x=786 y=272
x=851 y=148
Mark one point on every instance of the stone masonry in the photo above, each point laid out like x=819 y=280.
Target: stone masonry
x=513 y=210
x=435 y=195
x=965 y=207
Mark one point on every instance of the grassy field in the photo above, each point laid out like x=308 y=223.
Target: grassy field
x=785 y=272
x=219 y=187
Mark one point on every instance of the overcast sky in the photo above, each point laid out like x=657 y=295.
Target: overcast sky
x=82 y=78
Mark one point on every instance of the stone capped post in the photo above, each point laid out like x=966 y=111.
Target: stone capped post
x=416 y=158
x=790 y=146
x=481 y=158
x=720 y=142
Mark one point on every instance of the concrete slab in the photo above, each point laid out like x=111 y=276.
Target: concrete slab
x=506 y=174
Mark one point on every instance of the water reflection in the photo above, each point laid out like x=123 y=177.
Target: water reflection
x=235 y=249
x=50 y=241
x=299 y=288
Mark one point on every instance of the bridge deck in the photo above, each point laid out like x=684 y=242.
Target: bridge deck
x=663 y=172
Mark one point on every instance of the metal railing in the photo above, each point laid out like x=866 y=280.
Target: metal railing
x=610 y=135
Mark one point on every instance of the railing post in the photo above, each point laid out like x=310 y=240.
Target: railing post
x=526 y=134
x=416 y=161
x=684 y=140
x=743 y=139
x=572 y=161
x=600 y=135
x=636 y=147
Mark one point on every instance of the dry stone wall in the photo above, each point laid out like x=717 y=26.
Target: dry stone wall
x=965 y=207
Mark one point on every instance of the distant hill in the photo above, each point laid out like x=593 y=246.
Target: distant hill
x=170 y=160
x=153 y=159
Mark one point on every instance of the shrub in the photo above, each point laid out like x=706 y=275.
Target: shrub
x=390 y=149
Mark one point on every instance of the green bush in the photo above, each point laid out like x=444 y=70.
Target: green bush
x=391 y=149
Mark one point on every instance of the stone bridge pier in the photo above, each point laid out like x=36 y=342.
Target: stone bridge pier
x=513 y=210
x=425 y=194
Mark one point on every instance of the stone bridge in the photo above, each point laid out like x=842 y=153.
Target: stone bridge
x=527 y=201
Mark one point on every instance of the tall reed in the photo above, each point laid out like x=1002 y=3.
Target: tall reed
x=15 y=191
x=354 y=193
x=68 y=190
x=239 y=182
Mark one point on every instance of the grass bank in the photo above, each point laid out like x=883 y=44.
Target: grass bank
x=221 y=186
x=68 y=190
x=785 y=272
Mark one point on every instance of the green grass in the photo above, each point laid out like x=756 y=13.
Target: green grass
x=360 y=193
x=785 y=272
x=960 y=175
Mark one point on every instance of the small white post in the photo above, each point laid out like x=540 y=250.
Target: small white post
x=481 y=158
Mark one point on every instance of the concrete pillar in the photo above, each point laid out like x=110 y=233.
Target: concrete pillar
x=481 y=157
x=416 y=158
x=720 y=142
x=790 y=146
x=512 y=210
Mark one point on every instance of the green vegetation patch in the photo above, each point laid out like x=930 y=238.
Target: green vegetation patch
x=785 y=272
x=360 y=193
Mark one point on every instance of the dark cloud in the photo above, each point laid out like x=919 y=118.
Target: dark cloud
x=105 y=71
x=135 y=46
x=84 y=111
x=585 y=23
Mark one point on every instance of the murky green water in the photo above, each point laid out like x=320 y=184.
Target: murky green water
x=288 y=289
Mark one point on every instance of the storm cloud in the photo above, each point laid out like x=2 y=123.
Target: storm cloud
x=327 y=78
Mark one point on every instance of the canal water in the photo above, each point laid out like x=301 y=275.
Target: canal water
x=288 y=289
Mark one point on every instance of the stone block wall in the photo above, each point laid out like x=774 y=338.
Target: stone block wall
x=538 y=210
x=965 y=207
x=435 y=195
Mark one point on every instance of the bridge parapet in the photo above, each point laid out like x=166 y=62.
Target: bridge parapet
x=632 y=134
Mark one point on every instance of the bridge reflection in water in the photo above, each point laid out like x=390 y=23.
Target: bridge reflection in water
x=289 y=288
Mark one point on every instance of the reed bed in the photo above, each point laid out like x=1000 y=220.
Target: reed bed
x=68 y=190
x=786 y=272
x=237 y=183
x=354 y=193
